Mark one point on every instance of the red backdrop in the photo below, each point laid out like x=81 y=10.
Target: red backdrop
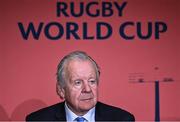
x=28 y=68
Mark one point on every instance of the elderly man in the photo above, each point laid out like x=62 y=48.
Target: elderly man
x=78 y=79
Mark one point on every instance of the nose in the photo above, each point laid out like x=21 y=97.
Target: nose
x=86 y=88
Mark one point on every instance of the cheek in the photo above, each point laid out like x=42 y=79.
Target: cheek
x=74 y=94
x=95 y=92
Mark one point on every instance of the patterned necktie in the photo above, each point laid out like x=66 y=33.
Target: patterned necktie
x=80 y=119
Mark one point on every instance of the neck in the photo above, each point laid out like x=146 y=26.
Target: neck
x=77 y=112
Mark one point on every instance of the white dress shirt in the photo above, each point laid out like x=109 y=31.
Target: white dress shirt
x=89 y=116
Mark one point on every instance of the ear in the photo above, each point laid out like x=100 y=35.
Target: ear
x=60 y=91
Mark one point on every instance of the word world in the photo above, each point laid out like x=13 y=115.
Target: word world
x=102 y=30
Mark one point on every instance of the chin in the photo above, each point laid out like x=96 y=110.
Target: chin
x=87 y=105
x=86 y=108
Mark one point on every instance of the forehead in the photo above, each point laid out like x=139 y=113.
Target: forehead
x=80 y=67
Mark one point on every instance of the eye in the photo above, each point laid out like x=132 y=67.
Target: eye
x=77 y=82
x=92 y=82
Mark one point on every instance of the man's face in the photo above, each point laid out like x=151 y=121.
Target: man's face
x=81 y=90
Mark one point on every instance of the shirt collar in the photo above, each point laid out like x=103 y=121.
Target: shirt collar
x=89 y=116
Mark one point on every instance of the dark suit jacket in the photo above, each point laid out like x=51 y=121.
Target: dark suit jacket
x=103 y=112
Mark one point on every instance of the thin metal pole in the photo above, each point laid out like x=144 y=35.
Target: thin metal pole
x=157 y=105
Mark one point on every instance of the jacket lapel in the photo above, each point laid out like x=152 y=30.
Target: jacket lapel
x=60 y=112
x=98 y=114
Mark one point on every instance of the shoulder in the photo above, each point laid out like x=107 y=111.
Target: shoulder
x=48 y=113
x=111 y=113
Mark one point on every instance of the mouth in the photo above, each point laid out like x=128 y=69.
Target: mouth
x=86 y=99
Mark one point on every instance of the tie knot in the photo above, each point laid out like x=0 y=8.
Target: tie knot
x=80 y=119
